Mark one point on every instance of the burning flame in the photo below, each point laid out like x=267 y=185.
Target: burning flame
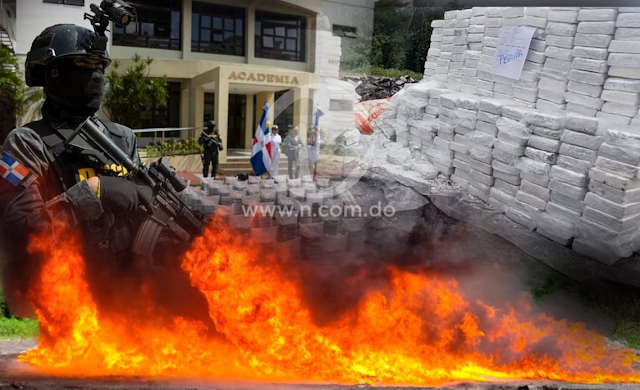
x=419 y=329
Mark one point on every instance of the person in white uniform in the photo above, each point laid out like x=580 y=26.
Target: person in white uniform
x=276 y=139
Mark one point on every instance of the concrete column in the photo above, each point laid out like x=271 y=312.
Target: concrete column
x=261 y=99
x=184 y=108
x=196 y=108
x=301 y=107
x=250 y=41
x=186 y=28
x=220 y=111
x=250 y=125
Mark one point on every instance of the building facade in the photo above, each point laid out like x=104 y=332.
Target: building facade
x=224 y=59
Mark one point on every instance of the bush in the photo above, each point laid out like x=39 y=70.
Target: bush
x=15 y=328
x=381 y=72
x=179 y=147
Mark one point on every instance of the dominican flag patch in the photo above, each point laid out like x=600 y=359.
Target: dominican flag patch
x=12 y=170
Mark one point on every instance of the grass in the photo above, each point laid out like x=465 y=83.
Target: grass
x=381 y=72
x=13 y=328
x=621 y=305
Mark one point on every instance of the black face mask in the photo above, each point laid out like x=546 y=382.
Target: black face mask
x=84 y=88
x=80 y=90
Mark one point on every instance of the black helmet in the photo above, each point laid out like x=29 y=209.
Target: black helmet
x=63 y=41
x=211 y=124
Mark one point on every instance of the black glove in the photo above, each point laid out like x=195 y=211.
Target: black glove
x=122 y=196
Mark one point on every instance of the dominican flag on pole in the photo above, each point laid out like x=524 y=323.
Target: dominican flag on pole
x=261 y=150
x=319 y=113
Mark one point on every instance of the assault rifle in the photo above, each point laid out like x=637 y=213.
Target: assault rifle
x=169 y=214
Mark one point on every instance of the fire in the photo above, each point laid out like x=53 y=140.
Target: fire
x=418 y=329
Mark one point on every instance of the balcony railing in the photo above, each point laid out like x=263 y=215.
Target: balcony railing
x=7 y=27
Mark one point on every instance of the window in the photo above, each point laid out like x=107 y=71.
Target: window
x=68 y=2
x=217 y=29
x=159 y=25
x=345 y=31
x=280 y=37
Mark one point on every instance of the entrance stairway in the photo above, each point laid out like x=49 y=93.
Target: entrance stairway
x=238 y=161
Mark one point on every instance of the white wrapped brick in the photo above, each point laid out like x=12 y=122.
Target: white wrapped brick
x=556 y=66
x=608 y=120
x=631 y=98
x=624 y=85
x=625 y=224
x=546 y=105
x=614 y=194
x=450 y=14
x=582 y=100
x=593 y=40
x=606 y=206
x=617 y=167
x=552 y=85
x=540 y=155
x=581 y=123
x=606 y=28
x=567 y=202
x=546 y=144
x=578 y=152
x=632 y=47
x=536 y=56
x=505 y=187
x=620 y=109
x=597 y=15
x=630 y=73
x=628 y=20
x=541 y=180
x=513 y=21
x=551 y=96
x=624 y=60
x=590 y=52
x=573 y=164
x=628 y=34
x=587 y=141
x=563 y=16
x=512 y=12
x=568 y=190
x=563 y=212
x=464 y=14
x=559 y=53
x=459 y=181
x=629 y=9
x=560 y=41
x=536 y=21
x=437 y=23
x=613 y=180
x=587 y=77
x=569 y=176
x=584 y=89
x=541 y=12
x=492 y=23
x=562 y=29
x=590 y=65
x=538 y=191
x=531 y=200
x=501 y=196
x=546 y=132
x=555 y=228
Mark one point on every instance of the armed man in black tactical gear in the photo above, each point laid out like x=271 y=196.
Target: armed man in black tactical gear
x=210 y=139
x=48 y=175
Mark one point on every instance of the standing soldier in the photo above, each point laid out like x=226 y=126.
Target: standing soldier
x=276 y=140
x=212 y=146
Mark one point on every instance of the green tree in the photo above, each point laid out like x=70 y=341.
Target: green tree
x=132 y=92
x=402 y=34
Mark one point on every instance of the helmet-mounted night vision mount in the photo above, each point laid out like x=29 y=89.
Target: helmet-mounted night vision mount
x=116 y=11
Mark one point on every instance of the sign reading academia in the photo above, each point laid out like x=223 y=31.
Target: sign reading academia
x=263 y=78
x=512 y=50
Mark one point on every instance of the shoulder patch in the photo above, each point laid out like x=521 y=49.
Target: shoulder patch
x=12 y=170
